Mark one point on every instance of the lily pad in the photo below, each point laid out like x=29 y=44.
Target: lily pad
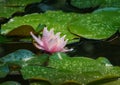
x=112 y=14
x=10 y=6
x=93 y=3
x=79 y=64
x=63 y=69
x=107 y=9
x=19 y=57
x=38 y=60
x=39 y=82
x=20 y=2
x=94 y=26
x=8 y=11
x=54 y=76
x=86 y=3
x=111 y=3
x=117 y=82
x=104 y=61
x=4 y=70
x=52 y=19
x=10 y=83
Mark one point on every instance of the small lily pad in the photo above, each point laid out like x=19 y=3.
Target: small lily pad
x=4 y=70
x=104 y=61
x=38 y=60
x=10 y=6
x=10 y=83
x=18 y=57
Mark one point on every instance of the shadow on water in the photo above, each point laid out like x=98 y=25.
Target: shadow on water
x=16 y=78
x=96 y=48
x=84 y=47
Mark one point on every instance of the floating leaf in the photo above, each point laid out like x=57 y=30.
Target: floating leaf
x=94 y=26
x=18 y=57
x=107 y=9
x=8 y=11
x=103 y=81
x=38 y=60
x=4 y=70
x=111 y=3
x=86 y=3
x=93 y=3
x=79 y=70
x=20 y=2
x=21 y=31
x=54 y=76
x=112 y=15
x=10 y=83
x=39 y=82
x=10 y=6
x=59 y=22
x=104 y=61
x=117 y=82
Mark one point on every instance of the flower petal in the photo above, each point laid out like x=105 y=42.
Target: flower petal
x=38 y=40
x=38 y=46
x=50 y=42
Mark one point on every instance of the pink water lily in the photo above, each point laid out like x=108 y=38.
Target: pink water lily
x=50 y=42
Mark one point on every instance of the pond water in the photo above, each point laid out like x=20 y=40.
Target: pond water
x=93 y=30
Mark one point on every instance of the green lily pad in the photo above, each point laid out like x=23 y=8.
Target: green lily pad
x=8 y=11
x=54 y=76
x=104 y=61
x=93 y=3
x=52 y=19
x=38 y=60
x=111 y=3
x=95 y=26
x=107 y=9
x=19 y=57
x=20 y=2
x=103 y=81
x=86 y=3
x=79 y=64
x=117 y=82
x=4 y=70
x=63 y=69
x=10 y=83
x=10 y=6
x=112 y=14
x=38 y=82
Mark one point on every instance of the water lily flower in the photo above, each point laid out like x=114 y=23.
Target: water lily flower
x=50 y=42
